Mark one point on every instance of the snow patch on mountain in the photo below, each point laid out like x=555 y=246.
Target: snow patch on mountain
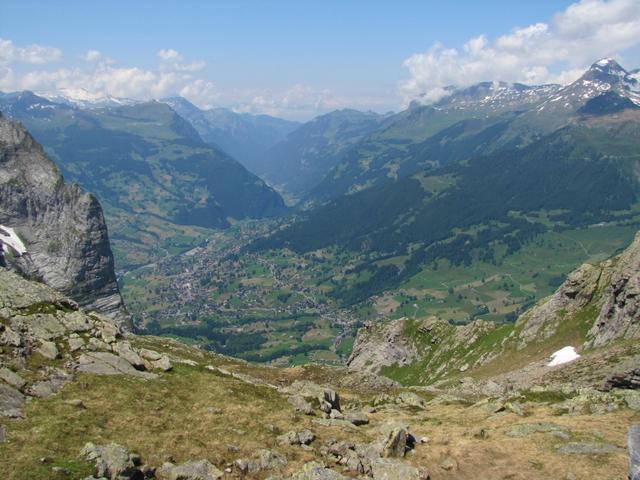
x=562 y=356
x=9 y=239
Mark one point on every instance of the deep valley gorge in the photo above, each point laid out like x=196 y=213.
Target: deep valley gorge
x=235 y=289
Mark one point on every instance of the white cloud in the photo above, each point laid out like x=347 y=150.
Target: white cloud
x=169 y=55
x=92 y=55
x=33 y=54
x=557 y=51
x=172 y=60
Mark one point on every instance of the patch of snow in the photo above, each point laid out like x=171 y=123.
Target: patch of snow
x=604 y=62
x=9 y=238
x=562 y=356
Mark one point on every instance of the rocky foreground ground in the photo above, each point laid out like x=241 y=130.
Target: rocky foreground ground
x=79 y=398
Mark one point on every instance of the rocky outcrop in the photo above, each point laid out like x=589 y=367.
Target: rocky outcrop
x=377 y=346
x=619 y=317
x=597 y=305
x=439 y=346
x=37 y=321
x=62 y=227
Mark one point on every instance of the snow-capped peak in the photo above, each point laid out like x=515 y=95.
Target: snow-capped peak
x=607 y=66
x=80 y=97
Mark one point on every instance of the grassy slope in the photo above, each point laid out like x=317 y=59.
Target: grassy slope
x=170 y=416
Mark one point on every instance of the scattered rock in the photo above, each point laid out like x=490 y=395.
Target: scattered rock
x=48 y=350
x=410 y=399
x=300 y=404
x=9 y=337
x=163 y=364
x=192 y=470
x=334 y=422
x=113 y=461
x=104 y=363
x=305 y=437
x=11 y=402
x=317 y=471
x=395 y=439
x=149 y=354
x=124 y=350
x=54 y=382
x=76 y=344
x=336 y=414
x=263 y=460
x=357 y=418
x=387 y=469
x=11 y=378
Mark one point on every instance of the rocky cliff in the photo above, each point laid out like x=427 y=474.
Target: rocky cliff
x=62 y=227
x=596 y=308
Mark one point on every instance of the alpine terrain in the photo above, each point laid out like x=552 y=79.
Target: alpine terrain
x=319 y=241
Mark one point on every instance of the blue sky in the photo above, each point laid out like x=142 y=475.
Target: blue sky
x=300 y=58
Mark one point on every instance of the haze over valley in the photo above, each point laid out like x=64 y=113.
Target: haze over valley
x=392 y=267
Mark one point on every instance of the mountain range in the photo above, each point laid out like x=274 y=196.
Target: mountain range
x=147 y=165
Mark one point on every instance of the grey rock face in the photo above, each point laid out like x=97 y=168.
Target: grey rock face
x=627 y=380
x=62 y=227
x=377 y=347
x=619 y=317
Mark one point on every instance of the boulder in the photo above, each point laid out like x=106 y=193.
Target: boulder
x=163 y=364
x=9 y=337
x=192 y=470
x=410 y=399
x=327 y=398
x=113 y=461
x=77 y=322
x=334 y=422
x=53 y=383
x=357 y=418
x=263 y=460
x=151 y=355
x=387 y=469
x=48 y=350
x=395 y=439
x=11 y=402
x=12 y=378
x=124 y=350
x=104 y=363
x=305 y=437
x=300 y=404
x=317 y=471
x=3 y=433
x=76 y=344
